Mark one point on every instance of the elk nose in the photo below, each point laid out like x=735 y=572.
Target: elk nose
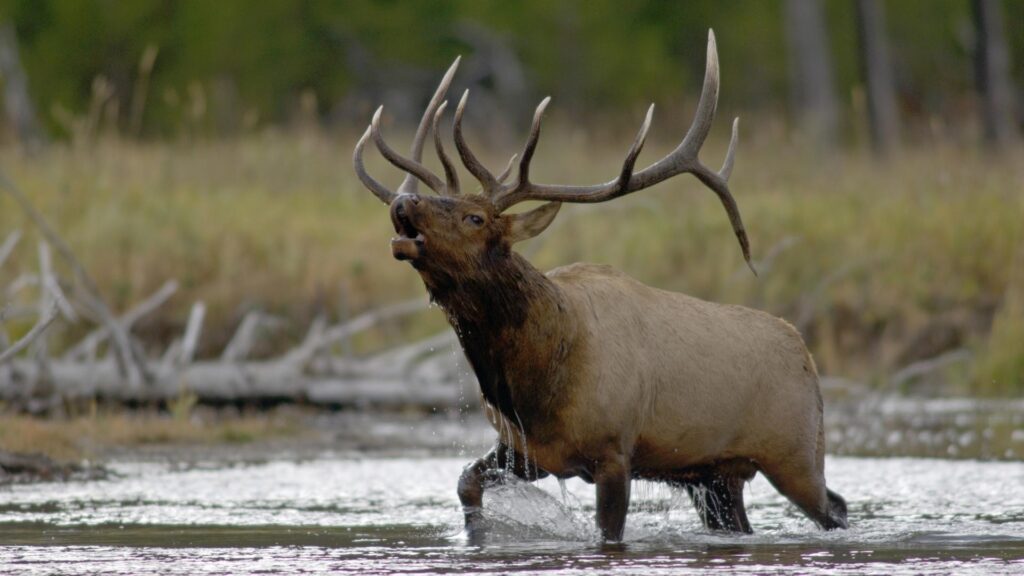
x=403 y=204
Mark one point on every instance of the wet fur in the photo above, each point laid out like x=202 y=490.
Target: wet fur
x=587 y=372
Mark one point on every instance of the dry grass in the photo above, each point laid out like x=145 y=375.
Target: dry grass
x=880 y=253
x=86 y=436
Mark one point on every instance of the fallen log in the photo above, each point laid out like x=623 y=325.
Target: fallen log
x=423 y=373
x=430 y=381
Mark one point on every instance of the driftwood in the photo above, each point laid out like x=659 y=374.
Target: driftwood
x=87 y=347
x=244 y=340
x=127 y=362
x=36 y=331
x=415 y=374
x=8 y=246
x=424 y=373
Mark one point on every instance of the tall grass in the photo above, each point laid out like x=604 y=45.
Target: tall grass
x=870 y=257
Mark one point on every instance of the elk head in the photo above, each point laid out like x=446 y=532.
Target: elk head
x=456 y=237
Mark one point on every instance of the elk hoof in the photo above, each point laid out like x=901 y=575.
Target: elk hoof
x=476 y=526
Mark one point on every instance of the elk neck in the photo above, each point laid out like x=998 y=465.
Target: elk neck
x=517 y=330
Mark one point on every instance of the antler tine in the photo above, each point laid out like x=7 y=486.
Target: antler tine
x=409 y=184
x=378 y=189
x=531 y=141
x=706 y=106
x=413 y=167
x=486 y=179
x=526 y=190
x=730 y=155
x=718 y=186
x=508 y=169
x=450 y=174
x=683 y=159
x=634 y=151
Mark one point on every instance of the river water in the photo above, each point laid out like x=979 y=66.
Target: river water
x=395 y=511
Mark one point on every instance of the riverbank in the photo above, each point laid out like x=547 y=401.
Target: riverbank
x=856 y=423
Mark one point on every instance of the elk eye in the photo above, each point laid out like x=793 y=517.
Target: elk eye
x=474 y=220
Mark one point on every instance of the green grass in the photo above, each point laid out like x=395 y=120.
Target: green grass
x=278 y=221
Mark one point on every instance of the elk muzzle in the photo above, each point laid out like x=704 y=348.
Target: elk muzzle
x=408 y=245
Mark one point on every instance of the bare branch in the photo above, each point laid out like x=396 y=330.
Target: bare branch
x=370 y=319
x=30 y=337
x=193 y=329
x=51 y=285
x=47 y=301
x=311 y=344
x=401 y=360
x=242 y=342
x=95 y=300
x=8 y=246
x=20 y=283
x=17 y=311
x=97 y=336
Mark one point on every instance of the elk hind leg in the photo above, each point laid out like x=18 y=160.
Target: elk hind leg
x=837 y=508
x=612 y=481
x=719 y=503
x=805 y=487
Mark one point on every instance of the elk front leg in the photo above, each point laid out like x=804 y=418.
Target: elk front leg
x=485 y=472
x=613 y=483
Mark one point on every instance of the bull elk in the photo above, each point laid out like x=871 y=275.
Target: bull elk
x=585 y=371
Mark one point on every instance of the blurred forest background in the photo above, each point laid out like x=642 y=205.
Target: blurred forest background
x=208 y=144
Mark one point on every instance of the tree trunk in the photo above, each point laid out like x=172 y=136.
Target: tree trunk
x=992 y=74
x=876 y=69
x=812 y=90
x=17 y=103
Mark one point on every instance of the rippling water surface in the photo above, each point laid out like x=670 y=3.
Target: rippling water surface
x=377 y=514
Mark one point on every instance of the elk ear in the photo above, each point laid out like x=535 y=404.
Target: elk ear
x=528 y=224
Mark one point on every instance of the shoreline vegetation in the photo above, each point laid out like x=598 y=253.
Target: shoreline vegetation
x=78 y=445
x=906 y=275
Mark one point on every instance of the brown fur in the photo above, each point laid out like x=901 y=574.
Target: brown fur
x=593 y=374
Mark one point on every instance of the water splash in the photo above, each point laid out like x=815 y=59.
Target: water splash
x=396 y=514
x=519 y=510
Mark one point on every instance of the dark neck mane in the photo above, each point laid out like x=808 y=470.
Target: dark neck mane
x=515 y=329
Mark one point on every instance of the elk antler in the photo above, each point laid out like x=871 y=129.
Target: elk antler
x=681 y=160
x=415 y=171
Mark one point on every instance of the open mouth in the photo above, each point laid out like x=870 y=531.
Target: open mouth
x=408 y=245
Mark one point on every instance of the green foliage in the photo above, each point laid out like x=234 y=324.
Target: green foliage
x=181 y=407
x=1001 y=368
x=254 y=60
